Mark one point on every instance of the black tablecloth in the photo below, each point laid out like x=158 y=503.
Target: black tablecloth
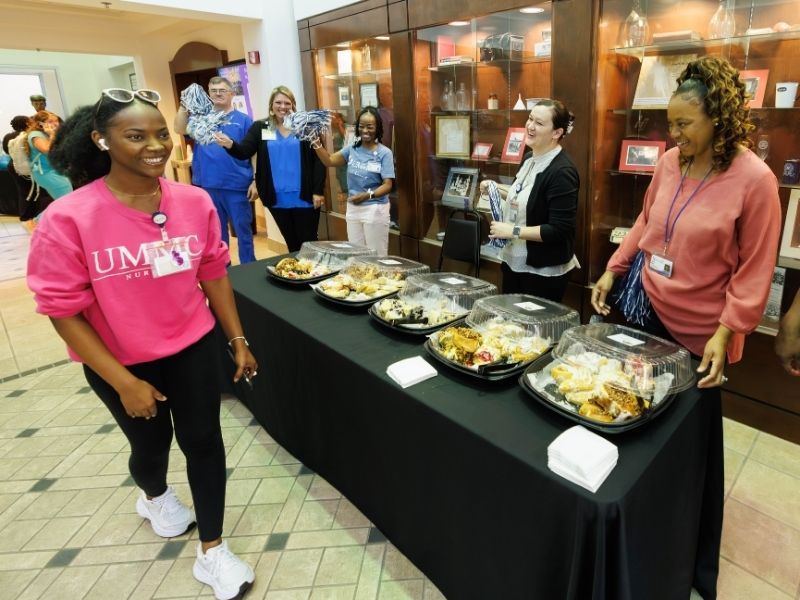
x=454 y=471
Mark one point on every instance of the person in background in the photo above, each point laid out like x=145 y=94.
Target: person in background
x=38 y=102
x=42 y=129
x=227 y=180
x=370 y=176
x=132 y=272
x=540 y=209
x=708 y=236
x=29 y=204
x=787 y=344
x=289 y=177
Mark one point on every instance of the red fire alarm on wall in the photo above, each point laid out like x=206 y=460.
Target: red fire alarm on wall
x=253 y=57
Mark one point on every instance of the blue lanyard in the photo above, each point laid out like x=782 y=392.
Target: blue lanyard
x=669 y=230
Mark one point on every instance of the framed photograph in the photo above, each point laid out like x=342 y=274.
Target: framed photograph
x=790 y=241
x=459 y=191
x=756 y=84
x=368 y=94
x=514 y=146
x=452 y=136
x=640 y=155
x=344 y=95
x=657 y=79
x=546 y=35
x=480 y=151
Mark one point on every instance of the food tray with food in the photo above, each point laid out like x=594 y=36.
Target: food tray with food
x=297 y=271
x=364 y=280
x=610 y=377
x=501 y=335
x=430 y=301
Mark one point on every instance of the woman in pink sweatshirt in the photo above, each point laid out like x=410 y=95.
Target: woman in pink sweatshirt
x=709 y=234
x=129 y=268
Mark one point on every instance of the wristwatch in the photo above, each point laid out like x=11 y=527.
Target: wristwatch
x=515 y=232
x=371 y=193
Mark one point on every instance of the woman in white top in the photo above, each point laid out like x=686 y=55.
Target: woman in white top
x=540 y=209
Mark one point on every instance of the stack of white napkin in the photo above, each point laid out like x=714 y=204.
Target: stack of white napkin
x=410 y=371
x=582 y=457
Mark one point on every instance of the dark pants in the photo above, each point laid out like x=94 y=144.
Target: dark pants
x=549 y=288
x=193 y=402
x=710 y=530
x=297 y=225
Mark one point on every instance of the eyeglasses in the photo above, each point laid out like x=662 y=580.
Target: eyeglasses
x=218 y=91
x=125 y=96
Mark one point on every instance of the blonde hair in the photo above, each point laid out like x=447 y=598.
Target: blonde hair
x=35 y=124
x=281 y=89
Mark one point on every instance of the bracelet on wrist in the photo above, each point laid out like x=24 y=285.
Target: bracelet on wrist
x=238 y=337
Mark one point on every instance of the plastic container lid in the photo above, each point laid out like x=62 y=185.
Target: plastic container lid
x=641 y=357
x=447 y=290
x=393 y=267
x=532 y=315
x=332 y=254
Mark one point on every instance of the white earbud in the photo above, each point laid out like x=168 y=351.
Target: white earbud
x=102 y=143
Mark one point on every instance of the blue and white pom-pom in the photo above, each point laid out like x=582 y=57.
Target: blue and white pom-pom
x=308 y=125
x=496 y=206
x=631 y=299
x=204 y=121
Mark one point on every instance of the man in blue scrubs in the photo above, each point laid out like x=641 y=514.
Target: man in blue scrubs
x=226 y=179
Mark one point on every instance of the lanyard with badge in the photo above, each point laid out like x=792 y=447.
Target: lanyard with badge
x=168 y=255
x=660 y=263
x=513 y=202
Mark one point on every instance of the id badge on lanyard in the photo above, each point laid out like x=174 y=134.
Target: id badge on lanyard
x=167 y=256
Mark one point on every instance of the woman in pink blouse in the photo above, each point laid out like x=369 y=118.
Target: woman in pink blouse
x=709 y=234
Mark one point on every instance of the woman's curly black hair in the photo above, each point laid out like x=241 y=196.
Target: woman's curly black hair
x=716 y=82
x=378 y=124
x=74 y=153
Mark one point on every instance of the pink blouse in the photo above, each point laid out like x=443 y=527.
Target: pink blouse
x=723 y=249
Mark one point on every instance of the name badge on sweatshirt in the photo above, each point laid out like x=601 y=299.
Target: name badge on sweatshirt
x=267 y=135
x=661 y=265
x=168 y=257
x=373 y=167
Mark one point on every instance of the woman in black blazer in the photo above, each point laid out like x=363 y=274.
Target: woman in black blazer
x=540 y=209
x=289 y=177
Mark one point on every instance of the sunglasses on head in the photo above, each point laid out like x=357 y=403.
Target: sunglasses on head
x=125 y=96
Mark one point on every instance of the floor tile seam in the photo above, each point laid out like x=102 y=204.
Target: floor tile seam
x=767 y=515
x=773 y=467
x=26 y=373
x=757 y=576
x=734 y=480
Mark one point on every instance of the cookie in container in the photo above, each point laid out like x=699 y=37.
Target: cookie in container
x=610 y=376
x=365 y=279
x=431 y=301
x=501 y=335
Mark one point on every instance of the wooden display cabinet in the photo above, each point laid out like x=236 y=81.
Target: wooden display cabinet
x=765 y=36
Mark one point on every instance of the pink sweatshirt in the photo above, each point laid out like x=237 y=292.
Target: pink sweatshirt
x=86 y=258
x=723 y=249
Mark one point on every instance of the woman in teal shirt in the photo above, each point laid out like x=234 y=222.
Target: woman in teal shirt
x=41 y=131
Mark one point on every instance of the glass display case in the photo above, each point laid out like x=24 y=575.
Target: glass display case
x=476 y=81
x=350 y=76
x=642 y=46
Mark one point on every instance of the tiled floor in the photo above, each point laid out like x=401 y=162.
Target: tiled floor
x=68 y=526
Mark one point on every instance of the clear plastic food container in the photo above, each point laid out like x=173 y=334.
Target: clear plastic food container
x=331 y=254
x=611 y=373
x=391 y=267
x=366 y=278
x=506 y=329
x=433 y=299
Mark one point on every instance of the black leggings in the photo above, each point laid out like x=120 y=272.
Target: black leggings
x=189 y=380
x=297 y=225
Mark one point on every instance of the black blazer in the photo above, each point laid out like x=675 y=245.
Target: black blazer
x=553 y=205
x=312 y=171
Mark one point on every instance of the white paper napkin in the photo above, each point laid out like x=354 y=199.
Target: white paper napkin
x=582 y=457
x=409 y=371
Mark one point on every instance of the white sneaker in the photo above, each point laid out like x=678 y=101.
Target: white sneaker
x=167 y=515
x=228 y=575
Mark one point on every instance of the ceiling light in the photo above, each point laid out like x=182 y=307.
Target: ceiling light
x=382 y=37
x=458 y=23
x=531 y=10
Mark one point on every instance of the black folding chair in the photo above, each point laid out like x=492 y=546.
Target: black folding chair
x=462 y=239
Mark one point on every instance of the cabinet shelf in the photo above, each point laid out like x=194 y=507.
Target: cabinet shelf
x=740 y=40
x=357 y=74
x=482 y=64
x=614 y=172
x=482 y=111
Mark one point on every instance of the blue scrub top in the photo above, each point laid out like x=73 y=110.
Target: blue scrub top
x=214 y=168
x=284 y=160
x=367 y=169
